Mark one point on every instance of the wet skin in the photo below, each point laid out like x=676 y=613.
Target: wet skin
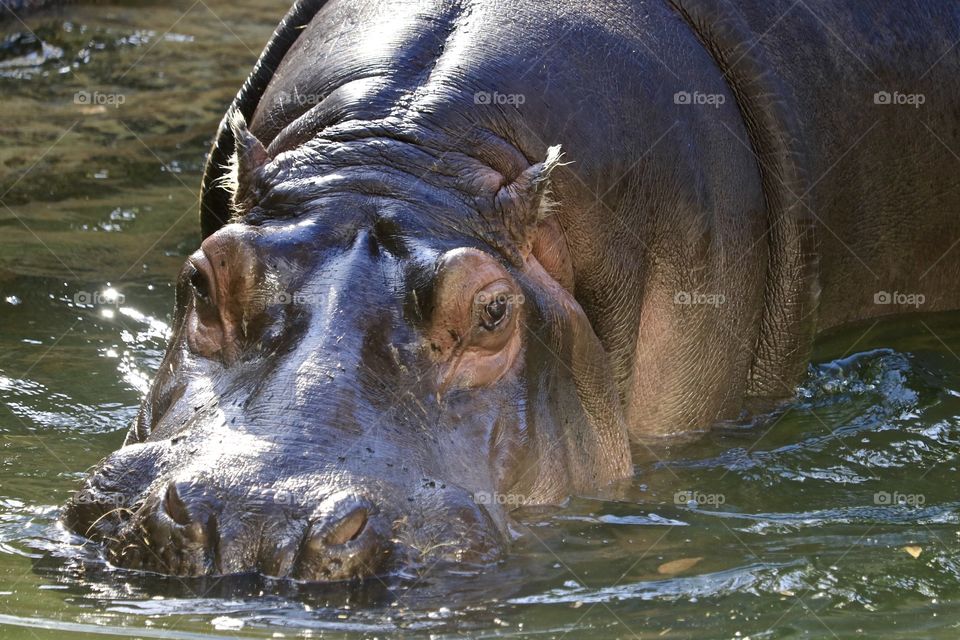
x=417 y=305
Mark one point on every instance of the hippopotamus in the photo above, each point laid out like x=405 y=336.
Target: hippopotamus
x=462 y=256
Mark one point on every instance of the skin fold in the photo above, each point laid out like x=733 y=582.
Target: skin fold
x=460 y=257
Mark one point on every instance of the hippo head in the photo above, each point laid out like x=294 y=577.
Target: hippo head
x=367 y=371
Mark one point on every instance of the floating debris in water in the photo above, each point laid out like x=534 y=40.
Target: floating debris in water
x=678 y=566
x=224 y=623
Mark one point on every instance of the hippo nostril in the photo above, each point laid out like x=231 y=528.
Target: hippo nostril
x=349 y=527
x=348 y=539
x=174 y=506
x=176 y=531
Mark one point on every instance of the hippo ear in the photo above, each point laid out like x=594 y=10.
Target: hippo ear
x=244 y=172
x=526 y=201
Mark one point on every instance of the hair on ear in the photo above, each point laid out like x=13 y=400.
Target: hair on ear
x=527 y=200
x=546 y=205
x=242 y=173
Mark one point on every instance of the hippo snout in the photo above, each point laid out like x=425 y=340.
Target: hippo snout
x=186 y=531
x=191 y=528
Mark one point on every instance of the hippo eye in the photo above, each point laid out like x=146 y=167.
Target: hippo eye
x=494 y=311
x=199 y=283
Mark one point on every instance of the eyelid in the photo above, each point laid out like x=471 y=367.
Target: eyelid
x=203 y=269
x=492 y=290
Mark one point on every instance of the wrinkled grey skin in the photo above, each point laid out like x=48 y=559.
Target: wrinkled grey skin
x=336 y=396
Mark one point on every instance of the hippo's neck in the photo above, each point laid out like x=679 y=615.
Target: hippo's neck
x=788 y=319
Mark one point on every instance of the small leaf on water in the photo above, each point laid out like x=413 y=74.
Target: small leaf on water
x=678 y=566
x=913 y=551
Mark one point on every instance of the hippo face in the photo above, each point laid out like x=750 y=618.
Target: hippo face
x=351 y=388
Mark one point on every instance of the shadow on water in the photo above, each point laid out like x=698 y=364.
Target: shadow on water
x=836 y=514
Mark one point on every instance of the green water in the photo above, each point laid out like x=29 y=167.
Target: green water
x=789 y=534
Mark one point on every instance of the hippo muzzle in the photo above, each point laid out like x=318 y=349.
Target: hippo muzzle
x=197 y=526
